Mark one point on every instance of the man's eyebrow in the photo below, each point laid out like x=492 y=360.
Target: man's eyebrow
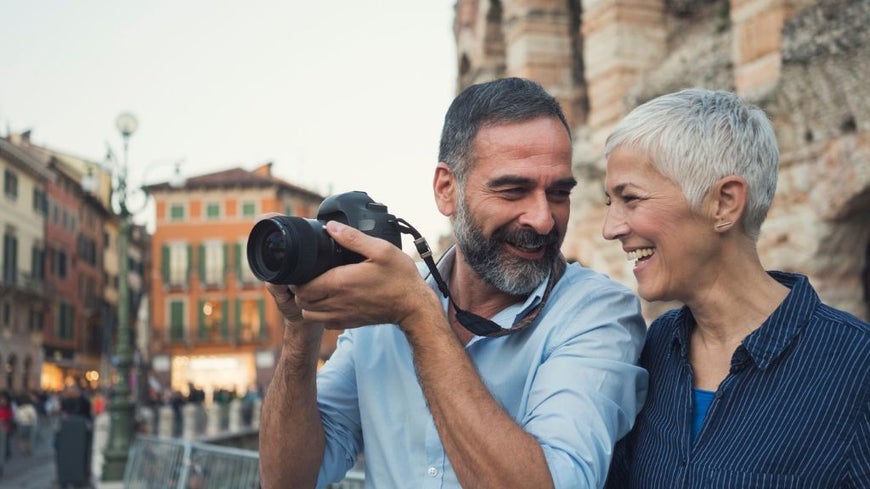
x=508 y=180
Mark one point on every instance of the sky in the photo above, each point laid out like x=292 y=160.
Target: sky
x=340 y=95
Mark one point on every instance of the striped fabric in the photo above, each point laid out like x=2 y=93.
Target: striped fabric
x=794 y=411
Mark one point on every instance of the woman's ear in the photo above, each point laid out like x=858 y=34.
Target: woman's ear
x=729 y=196
x=444 y=185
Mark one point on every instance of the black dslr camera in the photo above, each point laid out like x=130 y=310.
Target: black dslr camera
x=294 y=250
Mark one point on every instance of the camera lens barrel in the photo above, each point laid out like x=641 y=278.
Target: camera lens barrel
x=289 y=250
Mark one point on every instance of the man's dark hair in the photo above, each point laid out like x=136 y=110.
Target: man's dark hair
x=500 y=101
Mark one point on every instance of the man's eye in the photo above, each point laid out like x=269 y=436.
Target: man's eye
x=513 y=192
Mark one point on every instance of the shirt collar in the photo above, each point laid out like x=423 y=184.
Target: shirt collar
x=508 y=316
x=768 y=342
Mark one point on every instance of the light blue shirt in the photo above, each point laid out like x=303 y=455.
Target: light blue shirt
x=570 y=379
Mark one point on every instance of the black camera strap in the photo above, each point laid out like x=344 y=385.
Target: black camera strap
x=478 y=325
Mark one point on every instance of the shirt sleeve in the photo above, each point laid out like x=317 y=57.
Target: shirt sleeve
x=589 y=387
x=337 y=400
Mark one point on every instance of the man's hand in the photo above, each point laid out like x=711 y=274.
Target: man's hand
x=286 y=302
x=385 y=288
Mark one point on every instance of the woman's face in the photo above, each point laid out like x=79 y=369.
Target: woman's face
x=670 y=243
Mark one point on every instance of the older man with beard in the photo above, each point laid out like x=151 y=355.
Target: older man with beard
x=513 y=370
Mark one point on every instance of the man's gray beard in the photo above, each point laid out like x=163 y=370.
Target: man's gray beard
x=504 y=271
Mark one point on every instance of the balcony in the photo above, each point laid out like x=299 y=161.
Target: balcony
x=23 y=283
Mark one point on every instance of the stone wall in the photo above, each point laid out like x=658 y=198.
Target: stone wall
x=805 y=62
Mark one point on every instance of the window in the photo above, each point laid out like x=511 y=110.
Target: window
x=212 y=263
x=6 y=315
x=249 y=208
x=213 y=323
x=10 y=184
x=58 y=263
x=250 y=319
x=243 y=268
x=176 y=320
x=37 y=266
x=177 y=212
x=213 y=211
x=40 y=201
x=65 y=321
x=10 y=258
x=36 y=321
x=176 y=264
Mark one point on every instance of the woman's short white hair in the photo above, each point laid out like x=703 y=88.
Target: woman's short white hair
x=697 y=136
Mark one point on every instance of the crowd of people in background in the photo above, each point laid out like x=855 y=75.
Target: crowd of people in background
x=26 y=418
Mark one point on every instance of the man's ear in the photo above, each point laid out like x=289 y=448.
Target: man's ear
x=729 y=196
x=444 y=185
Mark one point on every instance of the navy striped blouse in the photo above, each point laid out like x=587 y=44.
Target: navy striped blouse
x=794 y=411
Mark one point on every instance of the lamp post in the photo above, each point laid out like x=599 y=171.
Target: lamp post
x=121 y=406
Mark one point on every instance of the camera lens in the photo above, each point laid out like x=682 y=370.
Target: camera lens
x=289 y=250
x=273 y=250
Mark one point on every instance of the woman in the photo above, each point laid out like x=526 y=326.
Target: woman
x=754 y=382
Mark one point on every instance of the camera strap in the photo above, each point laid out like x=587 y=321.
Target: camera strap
x=478 y=325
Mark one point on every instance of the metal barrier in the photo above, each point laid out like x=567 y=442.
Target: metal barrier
x=168 y=463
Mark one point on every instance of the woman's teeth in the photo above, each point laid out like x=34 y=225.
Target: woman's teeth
x=640 y=254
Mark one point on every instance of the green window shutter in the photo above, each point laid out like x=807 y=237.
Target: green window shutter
x=176 y=321
x=72 y=322
x=201 y=258
x=261 y=323
x=189 y=261
x=238 y=261
x=165 y=263
x=202 y=331
x=226 y=249
x=237 y=311
x=225 y=320
x=58 y=327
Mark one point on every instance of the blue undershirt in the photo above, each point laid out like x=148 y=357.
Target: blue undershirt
x=699 y=409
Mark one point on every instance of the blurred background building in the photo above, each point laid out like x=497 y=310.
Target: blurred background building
x=213 y=323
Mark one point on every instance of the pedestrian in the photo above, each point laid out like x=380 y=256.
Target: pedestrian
x=7 y=424
x=26 y=418
x=754 y=381
x=176 y=403
x=501 y=366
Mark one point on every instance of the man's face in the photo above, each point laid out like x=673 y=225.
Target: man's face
x=511 y=216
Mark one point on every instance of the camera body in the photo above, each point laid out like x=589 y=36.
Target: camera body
x=294 y=250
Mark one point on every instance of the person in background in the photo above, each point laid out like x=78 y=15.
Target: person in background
x=6 y=424
x=754 y=381
x=521 y=372
x=74 y=402
x=26 y=418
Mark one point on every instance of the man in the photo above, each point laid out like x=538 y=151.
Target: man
x=536 y=398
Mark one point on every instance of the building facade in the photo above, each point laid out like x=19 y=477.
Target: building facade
x=23 y=299
x=805 y=62
x=214 y=325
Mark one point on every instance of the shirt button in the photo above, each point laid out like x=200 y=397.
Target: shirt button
x=432 y=471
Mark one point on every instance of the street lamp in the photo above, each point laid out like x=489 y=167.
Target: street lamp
x=121 y=405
